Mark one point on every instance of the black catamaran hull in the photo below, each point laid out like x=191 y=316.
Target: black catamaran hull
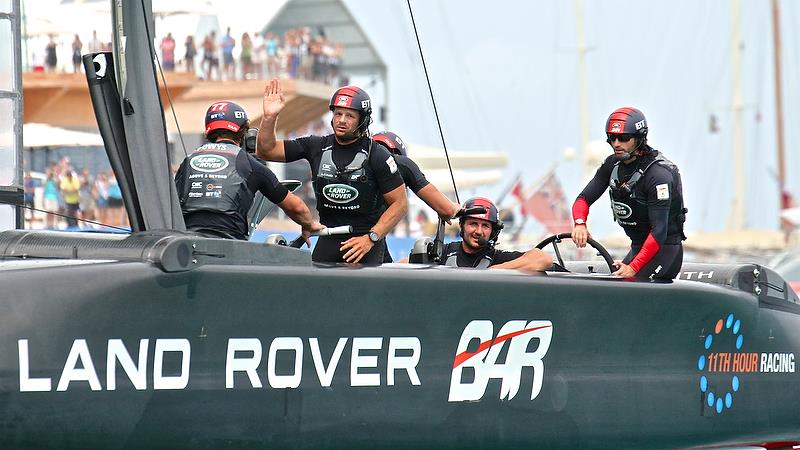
x=242 y=356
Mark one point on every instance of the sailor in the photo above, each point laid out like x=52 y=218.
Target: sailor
x=356 y=180
x=415 y=180
x=218 y=181
x=477 y=249
x=646 y=200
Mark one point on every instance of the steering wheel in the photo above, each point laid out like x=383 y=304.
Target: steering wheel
x=556 y=239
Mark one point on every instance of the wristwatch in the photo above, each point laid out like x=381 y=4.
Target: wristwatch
x=580 y=222
x=373 y=236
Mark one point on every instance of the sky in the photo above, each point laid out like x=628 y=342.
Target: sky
x=505 y=77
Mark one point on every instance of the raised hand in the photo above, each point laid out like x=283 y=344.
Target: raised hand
x=274 y=100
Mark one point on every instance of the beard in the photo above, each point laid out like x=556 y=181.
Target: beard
x=624 y=156
x=481 y=243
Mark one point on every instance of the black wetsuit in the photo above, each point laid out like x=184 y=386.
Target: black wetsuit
x=454 y=255
x=650 y=211
x=217 y=184
x=349 y=183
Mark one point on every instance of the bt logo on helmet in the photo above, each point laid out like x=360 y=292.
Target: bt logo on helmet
x=639 y=125
x=364 y=104
x=485 y=362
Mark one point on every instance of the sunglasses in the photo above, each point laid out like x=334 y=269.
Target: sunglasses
x=620 y=137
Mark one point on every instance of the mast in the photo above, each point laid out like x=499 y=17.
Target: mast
x=736 y=221
x=143 y=117
x=776 y=39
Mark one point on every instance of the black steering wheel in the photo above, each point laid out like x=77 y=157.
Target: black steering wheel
x=556 y=239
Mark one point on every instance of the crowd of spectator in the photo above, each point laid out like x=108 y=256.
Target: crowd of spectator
x=71 y=197
x=297 y=54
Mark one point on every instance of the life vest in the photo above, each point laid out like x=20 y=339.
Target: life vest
x=212 y=183
x=452 y=257
x=352 y=190
x=629 y=205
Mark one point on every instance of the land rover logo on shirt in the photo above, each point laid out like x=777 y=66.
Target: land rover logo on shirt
x=621 y=210
x=208 y=163
x=340 y=193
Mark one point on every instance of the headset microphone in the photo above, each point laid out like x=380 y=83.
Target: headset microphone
x=482 y=242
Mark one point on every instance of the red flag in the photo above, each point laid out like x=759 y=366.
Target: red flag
x=548 y=205
x=516 y=191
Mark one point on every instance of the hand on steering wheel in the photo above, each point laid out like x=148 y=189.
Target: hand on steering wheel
x=556 y=239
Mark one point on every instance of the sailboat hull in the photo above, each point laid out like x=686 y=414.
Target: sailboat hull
x=250 y=356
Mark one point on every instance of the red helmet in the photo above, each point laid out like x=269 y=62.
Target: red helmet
x=352 y=97
x=492 y=215
x=392 y=142
x=225 y=115
x=628 y=121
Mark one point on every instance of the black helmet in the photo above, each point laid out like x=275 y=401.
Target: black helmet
x=392 y=142
x=225 y=115
x=492 y=215
x=352 y=97
x=630 y=121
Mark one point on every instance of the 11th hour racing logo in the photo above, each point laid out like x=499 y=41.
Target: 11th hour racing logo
x=484 y=360
x=724 y=361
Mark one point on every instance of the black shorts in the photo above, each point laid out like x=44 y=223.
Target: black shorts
x=387 y=257
x=665 y=265
x=327 y=250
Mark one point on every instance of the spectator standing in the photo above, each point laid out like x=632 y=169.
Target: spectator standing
x=191 y=52
x=88 y=204
x=116 y=207
x=258 y=55
x=77 y=45
x=335 y=63
x=168 y=52
x=70 y=187
x=101 y=194
x=273 y=62
x=315 y=54
x=246 y=56
x=210 y=58
x=50 y=198
x=51 y=59
x=303 y=51
x=228 y=66
x=95 y=45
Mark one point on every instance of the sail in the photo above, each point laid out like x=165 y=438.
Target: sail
x=143 y=116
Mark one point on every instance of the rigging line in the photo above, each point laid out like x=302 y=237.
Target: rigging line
x=150 y=38
x=433 y=101
x=31 y=208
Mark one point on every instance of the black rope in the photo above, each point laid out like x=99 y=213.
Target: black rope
x=433 y=100
x=31 y=208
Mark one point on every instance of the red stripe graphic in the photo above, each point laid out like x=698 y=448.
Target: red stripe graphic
x=461 y=357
